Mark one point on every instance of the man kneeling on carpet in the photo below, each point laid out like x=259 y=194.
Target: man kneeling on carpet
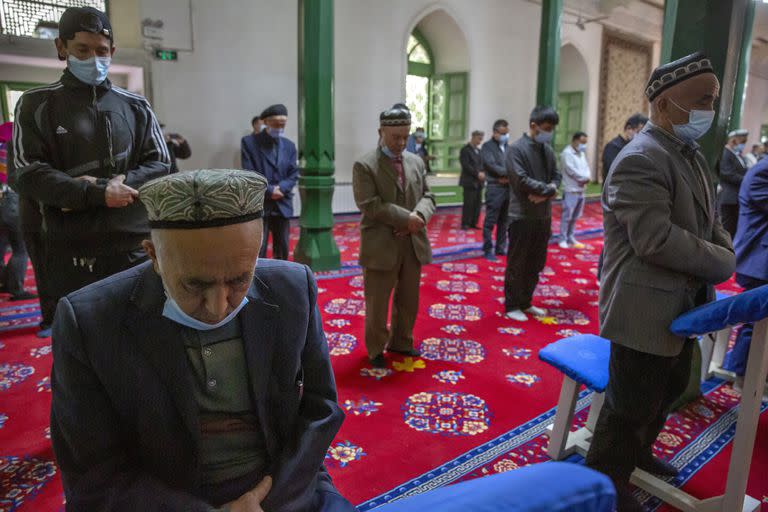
x=199 y=379
x=664 y=250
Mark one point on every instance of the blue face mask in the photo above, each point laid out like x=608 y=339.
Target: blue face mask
x=739 y=148
x=387 y=151
x=276 y=133
x=699 y=122
x=503 y=139
x=543 y=137
x=582 y=148
x=173 y=312
x=90 y=71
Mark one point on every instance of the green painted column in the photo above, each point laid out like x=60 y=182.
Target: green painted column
x=741 y=79
x=548 y=80
x=317 y=247
x=548 y=86
x=716 y=27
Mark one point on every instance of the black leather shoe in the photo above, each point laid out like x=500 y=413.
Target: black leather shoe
x=378 y=361
x=412 y=352
x=657 y=466
x=625 y=501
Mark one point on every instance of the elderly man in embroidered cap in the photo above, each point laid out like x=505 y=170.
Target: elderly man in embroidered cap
x=733 y=168
x=390 y=187
x=664 y=250
x=198 y=379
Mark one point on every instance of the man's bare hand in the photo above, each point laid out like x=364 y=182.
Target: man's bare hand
x=118 y=194
x=415 y=223
x=481 y=176
x=251 y=501
x=277 y=194
x=537 y=199
x=89 y=179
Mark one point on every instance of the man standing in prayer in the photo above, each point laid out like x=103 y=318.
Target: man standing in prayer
x=274 y=156
x=733 y=167
x=533 y=182
x=632 y=127
x=664 y=250
x=494 y=153
x=82 y=147
x=576 y=174
x=390 y=187
x=200 y=379
x=472 y=180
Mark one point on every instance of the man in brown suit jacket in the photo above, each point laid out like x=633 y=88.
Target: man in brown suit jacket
x=391 y=190
x=664 y=250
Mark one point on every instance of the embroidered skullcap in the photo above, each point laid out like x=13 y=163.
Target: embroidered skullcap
x=274 y=110
x=203 y=199
x=741 y=132
x=664 y=77
x=395 y=117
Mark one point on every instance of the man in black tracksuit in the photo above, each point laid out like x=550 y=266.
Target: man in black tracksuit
x=533 y=183
x=81 y=149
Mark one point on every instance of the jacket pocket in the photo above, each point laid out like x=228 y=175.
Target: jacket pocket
x=651 y=280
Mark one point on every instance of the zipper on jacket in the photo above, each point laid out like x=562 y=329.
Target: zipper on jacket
x=109 y=146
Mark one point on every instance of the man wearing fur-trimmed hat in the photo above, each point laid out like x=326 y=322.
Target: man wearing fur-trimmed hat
x=198 y=381
x=665 y=249
x=391 y=190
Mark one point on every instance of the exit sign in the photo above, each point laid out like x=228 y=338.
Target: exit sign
x=166 y=55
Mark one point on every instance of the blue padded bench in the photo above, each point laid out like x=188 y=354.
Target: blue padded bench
x=714 y=346
x=583 y=359
x=544 y=487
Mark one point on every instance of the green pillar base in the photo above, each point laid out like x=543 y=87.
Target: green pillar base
x=317 y=248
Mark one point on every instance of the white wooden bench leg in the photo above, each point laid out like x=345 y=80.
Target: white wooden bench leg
x=720 y=349
x=749 y=415
x=558 y=438
x=594 y=410
x=707 y=344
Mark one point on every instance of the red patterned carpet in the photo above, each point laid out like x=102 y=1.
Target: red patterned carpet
x=475 y=403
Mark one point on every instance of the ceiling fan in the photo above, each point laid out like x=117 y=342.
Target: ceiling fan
x=581 y=22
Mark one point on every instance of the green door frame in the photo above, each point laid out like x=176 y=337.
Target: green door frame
x=565 y=131
x=18 y=86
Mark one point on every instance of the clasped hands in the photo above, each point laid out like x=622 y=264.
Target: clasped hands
x=415 y=224
x=537 y=199
x=116 y=195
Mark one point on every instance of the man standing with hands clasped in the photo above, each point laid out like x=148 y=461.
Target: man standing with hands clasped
x=391 y=190
x=665 y=249
x=82 y=147
x=533 y=182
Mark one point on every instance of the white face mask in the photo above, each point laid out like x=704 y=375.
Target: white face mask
x=173 y=312
x=699 y=123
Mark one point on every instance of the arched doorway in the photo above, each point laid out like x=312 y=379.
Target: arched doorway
x=437 y=87
x=573 y=96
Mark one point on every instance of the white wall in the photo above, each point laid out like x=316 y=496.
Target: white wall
x=447 y=41
x=755 y=107
x=244 y=59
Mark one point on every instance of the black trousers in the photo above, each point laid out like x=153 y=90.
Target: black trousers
x=280 y=227
x=641 y=390
x=68 y=268
x=31 y=221
x=496 y=212
x=470 y=211
x=16 y=269
x=729 y=215
x=527 y=255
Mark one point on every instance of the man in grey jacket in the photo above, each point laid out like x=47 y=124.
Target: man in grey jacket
x=664 y=250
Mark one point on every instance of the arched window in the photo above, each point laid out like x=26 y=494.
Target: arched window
x=417 y=82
